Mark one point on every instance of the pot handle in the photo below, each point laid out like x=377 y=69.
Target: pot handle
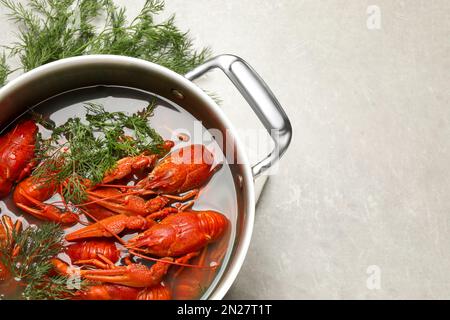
x=261 y=99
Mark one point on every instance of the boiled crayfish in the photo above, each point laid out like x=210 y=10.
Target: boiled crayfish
x=131 y=165
x=176 y=235
x=17 y=159
x=120 y=278
x=17 y=152
x=189 y=283
x=8 y=230
x=134 y=281
x=155 y=207
x=119 y=292
x=181 y=233
x=110 y=291
x=30 y=194
x=88 y=252
x=184 y=170
x=110 y=227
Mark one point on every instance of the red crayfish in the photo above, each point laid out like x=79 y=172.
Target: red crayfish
x=176 y=235
x=113 y=290
x=30 y=194
x=17 y=152
x=183 y=170
x=88 y=252
x=8 y=231
x=168 y=233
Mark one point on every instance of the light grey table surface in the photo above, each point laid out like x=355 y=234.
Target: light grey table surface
x=360 y=206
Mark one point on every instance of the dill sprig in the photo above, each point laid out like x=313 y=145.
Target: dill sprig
x=4 y=69
x=54 y=29
x=53 y=288
x=30 y=264
x=79 y=150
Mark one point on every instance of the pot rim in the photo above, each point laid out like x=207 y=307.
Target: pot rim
x=239 y=253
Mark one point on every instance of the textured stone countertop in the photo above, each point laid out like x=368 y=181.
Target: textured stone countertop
x=360 y=207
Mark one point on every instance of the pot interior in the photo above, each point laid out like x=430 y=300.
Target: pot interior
x=60 y=92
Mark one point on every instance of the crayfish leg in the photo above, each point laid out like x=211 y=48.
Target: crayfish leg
x=101 y=262
x=162 y=213
x=92 y=262
x=191 y=194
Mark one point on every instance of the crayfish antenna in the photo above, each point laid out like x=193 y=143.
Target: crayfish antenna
x=176 y=262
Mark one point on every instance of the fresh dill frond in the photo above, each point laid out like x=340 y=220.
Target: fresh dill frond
x=37 y=247
x=50 y=30
x=4 y=69
x=53 y=288
x=80 y=150
x=27 y=255
x=111 y=124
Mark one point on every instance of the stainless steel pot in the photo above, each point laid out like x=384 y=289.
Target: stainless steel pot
x=73 y=73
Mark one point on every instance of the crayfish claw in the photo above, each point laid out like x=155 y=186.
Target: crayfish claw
x=109 y=227
x=133 y=275
x=50 y=213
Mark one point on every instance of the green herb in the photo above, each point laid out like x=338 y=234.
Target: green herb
x=80 y=150
x=31 y=264
x=53 y=288
x=4 y=69
x=56 y=29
